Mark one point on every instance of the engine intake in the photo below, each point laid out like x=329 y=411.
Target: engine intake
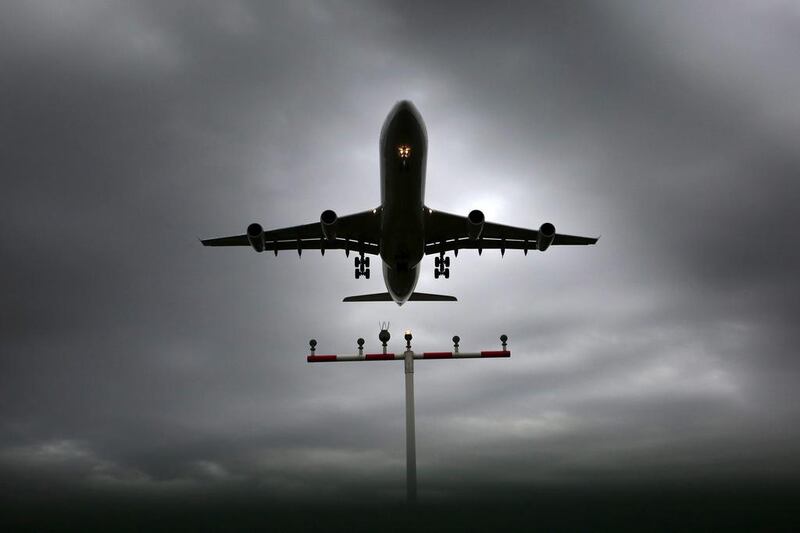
x=547 y=232
x=328 y=220
x=475 y=221
x=255 y=235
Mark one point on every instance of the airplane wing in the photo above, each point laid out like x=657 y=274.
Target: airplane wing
x=359 y=232
x=448 y=232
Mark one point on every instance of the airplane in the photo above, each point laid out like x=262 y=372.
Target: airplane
x=402 y=229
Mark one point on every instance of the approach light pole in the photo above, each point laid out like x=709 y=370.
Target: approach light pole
x=411 y=436
x=408 y=357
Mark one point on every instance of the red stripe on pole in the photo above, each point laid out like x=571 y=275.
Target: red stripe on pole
x=502 y=353
x=379 y=357
x=321 y=358
x=437 y=355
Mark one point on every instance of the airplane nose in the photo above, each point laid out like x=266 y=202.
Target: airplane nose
x=405 y=107
x=404 y=112
x=403 y=125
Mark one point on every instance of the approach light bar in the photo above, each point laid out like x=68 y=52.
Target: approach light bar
x=390 y=356
x=400 y=356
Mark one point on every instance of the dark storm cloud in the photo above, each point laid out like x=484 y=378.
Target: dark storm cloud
x=133 y=358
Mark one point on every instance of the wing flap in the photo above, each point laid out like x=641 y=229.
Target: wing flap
x=305 y=244
x=323 y=244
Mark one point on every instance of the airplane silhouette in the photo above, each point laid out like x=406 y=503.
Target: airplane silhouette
x=402 y=229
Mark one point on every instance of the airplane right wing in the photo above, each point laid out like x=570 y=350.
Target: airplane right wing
x=359 y=232
x=448 y=232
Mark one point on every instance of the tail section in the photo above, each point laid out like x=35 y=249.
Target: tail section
x=415 y=297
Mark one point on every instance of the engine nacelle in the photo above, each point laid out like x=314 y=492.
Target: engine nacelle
x=475 y=221
x=328 y=221
x=547 y=233
x=255 y=236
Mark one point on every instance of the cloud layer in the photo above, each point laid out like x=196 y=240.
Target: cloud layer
x=134 y=358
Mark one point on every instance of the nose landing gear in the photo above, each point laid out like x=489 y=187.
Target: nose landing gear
x=362 y=266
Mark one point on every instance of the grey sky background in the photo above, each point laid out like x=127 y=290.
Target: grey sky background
x=134 y=360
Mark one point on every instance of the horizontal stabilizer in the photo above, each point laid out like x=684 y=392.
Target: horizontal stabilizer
x=377 y=297
x=425 y=297
x=415 y=297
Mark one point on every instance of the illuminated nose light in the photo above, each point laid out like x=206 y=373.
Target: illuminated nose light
x=404 y=151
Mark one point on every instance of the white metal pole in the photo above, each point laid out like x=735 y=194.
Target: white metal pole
x=411 y=447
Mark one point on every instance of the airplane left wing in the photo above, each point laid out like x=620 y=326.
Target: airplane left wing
x=359 y=232
x=448 y=232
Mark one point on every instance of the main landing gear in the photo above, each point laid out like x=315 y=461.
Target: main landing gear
x=442 y=266
x=362 y=266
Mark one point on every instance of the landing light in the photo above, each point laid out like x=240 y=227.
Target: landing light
x=404 y=151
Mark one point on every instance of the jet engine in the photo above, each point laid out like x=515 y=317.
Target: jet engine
x=255 y=235
x=547 y=233
x=475 y=221
x=328 y=221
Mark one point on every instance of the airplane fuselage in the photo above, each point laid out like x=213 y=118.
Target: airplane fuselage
x=403 y=152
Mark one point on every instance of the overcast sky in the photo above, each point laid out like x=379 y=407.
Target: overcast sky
x=132 y=359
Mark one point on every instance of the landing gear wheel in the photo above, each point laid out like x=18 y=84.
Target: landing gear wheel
x=447 y=261
x=365 y=261
x=357 y=262
x=446 y=273
x=436 y=273
x=437 y=261
x=366 y=273
x=358 y=273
